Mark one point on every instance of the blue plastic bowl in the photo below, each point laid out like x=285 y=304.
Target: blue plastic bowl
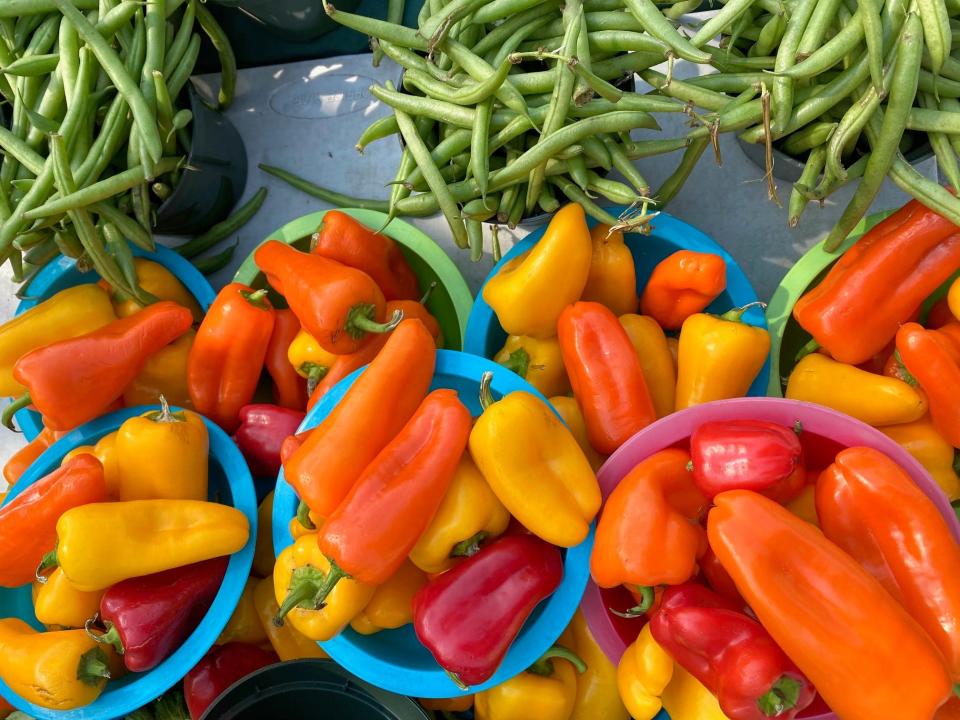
x=62 y=273
x=485 y=336
x=230 y=482
x=394 y=659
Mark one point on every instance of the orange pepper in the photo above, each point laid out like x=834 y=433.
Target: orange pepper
x=289 y=389
x=612 y=280
x=682 y=285
x=928 y=359
x=449 y=705
x=23 y=458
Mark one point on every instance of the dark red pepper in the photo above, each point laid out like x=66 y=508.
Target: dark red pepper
x=468 y=617
x=289 y=389
x=147 y=618
x=731 y=654
x=718 y=578
x=263 y=429
x=747 y=455
x=220 y=668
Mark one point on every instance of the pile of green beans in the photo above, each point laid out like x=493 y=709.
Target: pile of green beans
x=98 y=137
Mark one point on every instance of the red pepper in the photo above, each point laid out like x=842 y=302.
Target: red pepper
x=148 y=618
x=289 y=389
x=347 y=241
x=220 y=668
x=939 y=314
x=468 y=617
x=718 y=578
x=731 y=654
x=76 y=380
x=930 y=362
x=338 y=305
x=747 y=455
x=262 y=432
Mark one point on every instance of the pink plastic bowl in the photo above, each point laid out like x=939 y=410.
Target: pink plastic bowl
x=825 y=432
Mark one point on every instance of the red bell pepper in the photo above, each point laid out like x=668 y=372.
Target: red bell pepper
x=928 y=358
x=148 y=618
x=731 y=654
x=747 y=455
x=468 y=617
x=260 y=437
x=289 y=389
x=220 y=668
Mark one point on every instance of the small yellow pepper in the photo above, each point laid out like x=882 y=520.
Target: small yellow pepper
x=804 y=505
x=392 y=604
x=106 y=452
x=263 y=558
x=103 y=543
x=529 y=293
x=570 y=411
x=650 y=342
x=57 y=603
x=539 y=362
x=59 y=670
x=612 y=280
x=597 y=692
x=449 y=705
x=244 y=625
x=298 y=529
x=164 y=373
x=546 y=691
x=469 y=514
x=309 y=358
x=673 y=344
x=921 y=439
x=874 y=399
x=304 y=561
x=953 y=298
x=718 y=357
x=286 y=640
x=644 y=672
x=685 y=698
x=162 y=284
x=163 y=455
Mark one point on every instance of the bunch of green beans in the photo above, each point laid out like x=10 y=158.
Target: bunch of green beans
x=97 y=137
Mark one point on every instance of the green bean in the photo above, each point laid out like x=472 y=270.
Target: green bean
x=685 y=91
x=479 y=145
x=506 y=9
x=481 y=208
x=613 y=41
x=508 y=46
x=180 y=40
x=547 y=201
x=587 y=84
x=820 y=22
x=68 y=243
x=679 y=9
x=951 y=105
x=436 y=27
x=510 y=194
x=523 y=22
x=808 y=138
x=472 y=94
x=33 y=65
x=671 y=186
x=725 y=62
x=831 y=52
x=426 y=107
x=396 y=34
x=377 y=130
x=17 y=8
x=29 y=240
x=597 y=152
x=578 y=172
x=156 y=28
x=657 y=25
x=853 y=121
x=928 y=192
x=942 y=148
x=939 y=85
x=723 y=19
x=113 y=132
x=577 y=195
x=41 y=254
x=443 y=153
x=533 y=83
x=936 y=31
x=228 y=61
x=629 y=101
x=214 y=263
x=950 y=68
x=225 y=228
x=120 y=250
x=770 y=36
x=618 y=20
x=625 y=166
x=728 y=82
x=649 y=148
x=475 y=239
x=873 y=35
x=132 y=230
x=611 y=189
x=928 y=120
x=21 y=151
x=783 y=87
x=479 y=70
x=25 y=30
x=811 y=171
x=184 y=69
x=399 y=188
x=138 y=45
x=334 y=198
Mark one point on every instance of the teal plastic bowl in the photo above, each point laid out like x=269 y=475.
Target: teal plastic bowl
x=394 y=660
x=231 y=484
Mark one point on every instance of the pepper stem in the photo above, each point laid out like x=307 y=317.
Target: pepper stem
x=902 y=370
x=49 y=561
x=470 y=546
x=956 y=690
x=647 y=597
x=736 y=315
x=110 y=637
x=93 y=668
x=428 y=293
x=309 y=584
x=808 y=349
x=257 y=298
x=360 y=320
x=544 y=666
x=518 y=362
x=8 y=412
x=303 y=516
x=486 y=394
x=457 y=681
x=165 y=414
x=782 y=696
x=315 y=373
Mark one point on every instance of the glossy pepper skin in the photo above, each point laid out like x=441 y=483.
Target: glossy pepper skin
x=326 y=466
x=353 y=244
x=338 y=305
x=163 y=455
x=287 y=642
x=296 y=575
x=220 y=668
x=148 y=618
x=643 y=674
x=718 y=357
x=656 y=361
x=59 y=670
x=870 y=507
x=23 y=458
x=58 y=604
x=747 y=455
x=106 y=452
x=929 y=360
x=289 y=389
x=104 y=543
x=244 y=625
x=529 y=293
x=525 y=452
x=685 y=698
x=468 y=617
x=155 y=279
x=263 y=428
x=647 y=534
x=539 y=362
x=72 y=312
x=874 y=399
x=392 y=603
x=718 y=579
x=597 y=695
x=228 y=353
x=572 y=417
x=75 y=380
x=612 y=280
x=28 y=522
x=310 y=361
x=681 y=285
x=605 y=374
x=879 y=282
x=826 y=612
x=469 y=515
x=164 y=373
x=547 y=690
x=953 y=298
x=730 y=653
x=921 y=439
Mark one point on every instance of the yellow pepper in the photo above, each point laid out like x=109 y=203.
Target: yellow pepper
x=529 y=293
x=539 y=362
x=685 y=698
x=304 y=561
x=874 y=399
x=597 y=692
x=103 y=543
x=59 y=670
x=298 y=529
x=673 y=344
x=309 y=358
x=286 y=640
x=244 y=625
x=469 y=514
x=448 y=705
x=921 y=439
x=718 y=357
x=644 y=672
x=650 y=343
x=164 y=373
x=804 y=505
x=392 y=604
x=953 y=298
x=162 y=284
x=57 y=603
x=535 y=466
x=546 y=691
x=263 y=558
x=106 y=452
x=612 y=280
x=570 y=411
x=68 y=314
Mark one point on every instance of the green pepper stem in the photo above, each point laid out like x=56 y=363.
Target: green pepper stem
x=470 y=546
x=457 y=681
x=165 y=414
x=110 y=637
x=647 y=597
x=544 y=666
x=428 y=293
x=518 y=362
x=902 y=369
x=303 y=516
x=315 y=373
x=486 y=394
x=257 y=298
x=808 y=349
x=93 y=668
x=736 y=315
x=360 y=320
x=10 y=410
x=308 y=583
x=49 y=561
x=782 y=696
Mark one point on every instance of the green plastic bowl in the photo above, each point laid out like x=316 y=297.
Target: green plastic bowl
x=450 y=301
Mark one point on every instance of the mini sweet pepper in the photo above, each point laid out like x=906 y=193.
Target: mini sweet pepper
x=921 y=439
x=289 y=389
x=59 y=604
x=656 y=361
x=309 y=360
x=929 y=360
x=287 y=642
x=218 y=670
x=546 y=691
x=597 y=694
x=244 y=625
x=158 y=281
x=539 y=362
x=681 y=285
x=392 y=604
x=263 y=428
x=572 y=417
x=164 y=373
x=643 y=674
x=612 y=280
x=22 y=459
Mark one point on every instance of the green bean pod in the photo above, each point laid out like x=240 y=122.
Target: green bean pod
x=228 y=61
x=811 y=171
x=334 y=198
x=214 y=263
x=657 y=25
x=225 y=228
